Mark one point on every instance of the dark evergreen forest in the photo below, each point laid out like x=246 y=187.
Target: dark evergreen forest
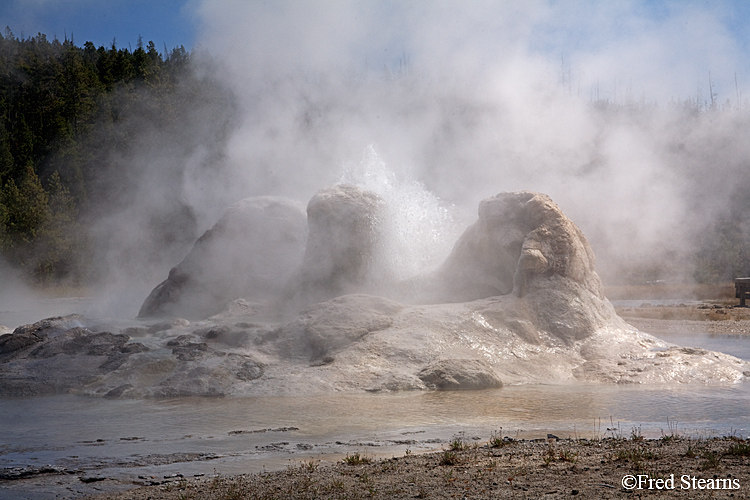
x=66 y=114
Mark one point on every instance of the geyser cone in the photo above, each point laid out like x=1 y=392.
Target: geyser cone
x=517 y=301
x=523 y=246
x=250 y=252
x=520 y=241
x=344 y=230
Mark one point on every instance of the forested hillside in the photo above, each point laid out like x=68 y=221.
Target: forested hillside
x=66 y=114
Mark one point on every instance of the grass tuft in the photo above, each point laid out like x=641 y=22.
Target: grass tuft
x=449 y=457
x=739 y=449
x=710 y=460
x=497 y=441
x=458 y=445
x=357 y=459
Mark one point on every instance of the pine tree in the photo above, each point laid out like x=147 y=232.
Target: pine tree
x=26 y=207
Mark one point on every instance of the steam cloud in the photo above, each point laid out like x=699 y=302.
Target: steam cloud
x=450 y=102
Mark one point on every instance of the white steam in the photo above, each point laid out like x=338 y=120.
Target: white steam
x=418 y=230
x=592 y=103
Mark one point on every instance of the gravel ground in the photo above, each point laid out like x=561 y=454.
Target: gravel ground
x=615 y=467
x=658 y=326
x=706 y=318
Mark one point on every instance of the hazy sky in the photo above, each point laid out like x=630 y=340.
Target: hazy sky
x=605 y=47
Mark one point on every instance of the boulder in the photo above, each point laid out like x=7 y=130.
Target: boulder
x=344 y=230
x=250 y=253
x=460 y=375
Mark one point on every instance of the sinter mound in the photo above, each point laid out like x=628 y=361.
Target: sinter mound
x=518 y=300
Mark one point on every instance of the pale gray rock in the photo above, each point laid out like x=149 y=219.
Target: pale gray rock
x=208 y=379
x=344 y=228
x=250 y=253
x=325 y=328
x=523 y=246
x=520 y=241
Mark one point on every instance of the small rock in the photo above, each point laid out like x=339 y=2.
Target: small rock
x=460 y=374
x=92 y=479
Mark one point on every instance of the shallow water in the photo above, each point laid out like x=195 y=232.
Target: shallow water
x=88 y=433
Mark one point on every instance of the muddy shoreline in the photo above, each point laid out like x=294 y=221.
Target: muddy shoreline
x=614 y=467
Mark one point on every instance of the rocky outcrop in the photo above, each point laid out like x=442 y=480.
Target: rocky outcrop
x=29 y=335
x=517 y=301
x=62 y=355
x=523 y=246
x=58 y=355
x=520 y=242
x=250 y=252
x=344 y=229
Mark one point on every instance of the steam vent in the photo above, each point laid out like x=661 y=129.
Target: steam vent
x=270 y=301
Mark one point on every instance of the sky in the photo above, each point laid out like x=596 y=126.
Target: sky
x=165 y=22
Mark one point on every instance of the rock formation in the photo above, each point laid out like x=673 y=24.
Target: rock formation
x=250 y=252
x=460 y=374
x=58 y=355
x=517 y=301
x=523 y=246
x=344 y=229
x=321 y=330
x=520 y=242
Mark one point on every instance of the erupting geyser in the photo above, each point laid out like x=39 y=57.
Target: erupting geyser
x=299 y=310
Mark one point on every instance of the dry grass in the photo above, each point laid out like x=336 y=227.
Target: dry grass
x=357 y=459
x=590 y=469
